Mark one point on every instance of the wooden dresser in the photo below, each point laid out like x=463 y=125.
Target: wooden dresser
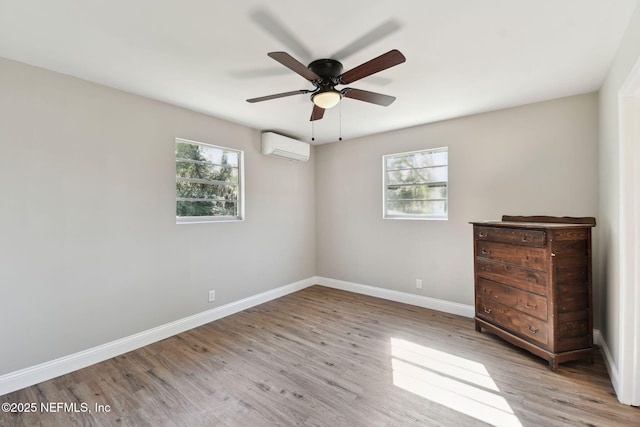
x=533 y=284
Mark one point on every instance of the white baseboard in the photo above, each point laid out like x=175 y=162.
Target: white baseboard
x=45 y=371
x=598 y=339
x=403 y=297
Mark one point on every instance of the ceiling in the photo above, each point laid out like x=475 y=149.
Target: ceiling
x=463 y=56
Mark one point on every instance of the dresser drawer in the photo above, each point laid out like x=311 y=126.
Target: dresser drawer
x=526 y=302
x=512 y=275
x=515 y=236
x=527 y=327
x=524 y=256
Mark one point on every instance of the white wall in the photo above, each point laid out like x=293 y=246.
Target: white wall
x=89 y=248
x=539 y=159
x=610 y=202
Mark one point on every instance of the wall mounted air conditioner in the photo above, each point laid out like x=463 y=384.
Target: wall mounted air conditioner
x=284 y=147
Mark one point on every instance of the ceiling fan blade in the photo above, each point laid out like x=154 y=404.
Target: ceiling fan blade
x=366 y=96
x=367 y=39
x=294 y=65
x=278 y=95
x=382 y=62
x=273 y=26
x=317 y=113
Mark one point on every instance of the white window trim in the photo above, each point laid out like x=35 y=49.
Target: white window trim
x=210 y=219
x=384 y=188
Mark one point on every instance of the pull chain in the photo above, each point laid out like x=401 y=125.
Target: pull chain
x=340 y=130
x=313 y=133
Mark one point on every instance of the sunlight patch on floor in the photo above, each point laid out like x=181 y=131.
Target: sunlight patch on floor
x=457 y=383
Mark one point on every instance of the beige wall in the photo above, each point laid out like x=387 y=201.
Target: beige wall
x=89 y=248
x=539 y=159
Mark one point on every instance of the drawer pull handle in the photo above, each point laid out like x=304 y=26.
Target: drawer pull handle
x=487 y=291
x=532 y=307
x=527 y=239
x=487 y=310
x=527 y=259
x=532 y=330
x=482 y=234
x=485 y=251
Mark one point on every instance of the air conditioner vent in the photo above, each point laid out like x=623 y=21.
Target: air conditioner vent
x=284 y=147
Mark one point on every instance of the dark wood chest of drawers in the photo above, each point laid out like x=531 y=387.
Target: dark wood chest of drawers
x=533 y=284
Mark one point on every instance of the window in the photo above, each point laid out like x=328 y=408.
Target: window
x=415 y=184
x=209 y=183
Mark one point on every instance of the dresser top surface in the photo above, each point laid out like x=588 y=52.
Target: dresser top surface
x=538 y=225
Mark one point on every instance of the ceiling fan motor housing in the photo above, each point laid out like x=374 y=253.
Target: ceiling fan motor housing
x=328 y=69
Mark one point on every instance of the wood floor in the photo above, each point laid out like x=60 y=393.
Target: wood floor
x=323 y=357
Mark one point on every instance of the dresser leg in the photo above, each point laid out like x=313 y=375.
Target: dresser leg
x=553 y=364
x=478 y=328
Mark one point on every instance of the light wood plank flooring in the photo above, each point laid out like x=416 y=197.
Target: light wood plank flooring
x=323 y=357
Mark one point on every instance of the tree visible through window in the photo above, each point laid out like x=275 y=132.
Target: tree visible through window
x=416 y=184
x=208 y=182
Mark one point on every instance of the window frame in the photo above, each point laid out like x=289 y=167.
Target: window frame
x=386 y=215
x=240 y=188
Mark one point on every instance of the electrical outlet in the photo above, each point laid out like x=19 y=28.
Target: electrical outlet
x=419 y=283
x=212 y=296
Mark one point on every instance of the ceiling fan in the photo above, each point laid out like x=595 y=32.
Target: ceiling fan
x=326 y=74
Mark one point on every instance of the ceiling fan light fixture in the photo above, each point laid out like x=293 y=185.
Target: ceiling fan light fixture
x=327 y=98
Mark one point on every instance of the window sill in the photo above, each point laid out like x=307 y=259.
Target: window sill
x=418 y=218
x=206 y=220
